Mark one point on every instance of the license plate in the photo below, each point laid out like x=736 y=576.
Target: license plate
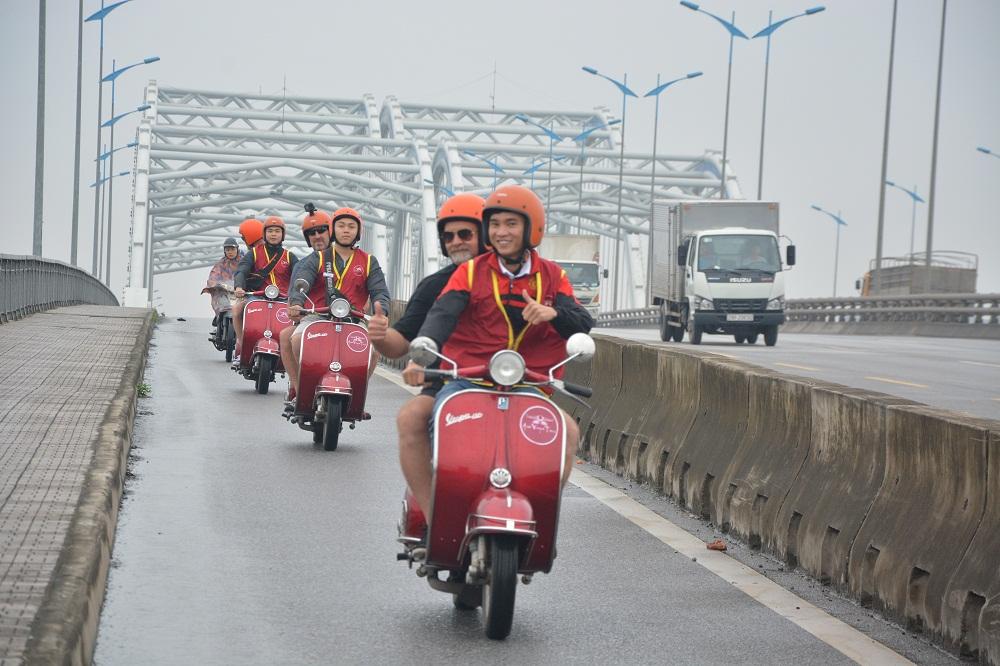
x=739 y=317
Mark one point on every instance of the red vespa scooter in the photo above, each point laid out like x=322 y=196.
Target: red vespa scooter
x=497 y=463
x=262 y=322
x=333 y=373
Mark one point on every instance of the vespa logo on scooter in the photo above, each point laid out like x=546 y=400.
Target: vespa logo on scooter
x=539 y=425
x=452 y=419
x=357 y=341
x=311 y=336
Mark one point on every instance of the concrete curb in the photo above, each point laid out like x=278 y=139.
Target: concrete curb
x=928 y=329
x=65 y=628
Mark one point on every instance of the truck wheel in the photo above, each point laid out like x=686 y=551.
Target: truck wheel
x=771 y=336
x=752 y=339
x=740 y=339
x=665 y=328
x=678 y=333
x=694 y=333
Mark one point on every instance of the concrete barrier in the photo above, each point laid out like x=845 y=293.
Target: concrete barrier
x=748 y=496
x=714 y=437
x=837 y=483
x=970 y=614
x=924 y=517
x=606 y=373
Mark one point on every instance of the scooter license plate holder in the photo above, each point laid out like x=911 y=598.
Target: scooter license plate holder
x=739 y=317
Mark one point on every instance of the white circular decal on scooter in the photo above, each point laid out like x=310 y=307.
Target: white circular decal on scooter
x=282 y=315
x=539 y=425
x=357 y=341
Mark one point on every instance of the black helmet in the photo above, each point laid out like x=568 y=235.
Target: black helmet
x=230 y=242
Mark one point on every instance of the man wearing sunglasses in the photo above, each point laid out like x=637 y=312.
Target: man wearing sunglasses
x=459 y=222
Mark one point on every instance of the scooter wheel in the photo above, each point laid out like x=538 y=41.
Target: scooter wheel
x=332 y=425
x=265 y=374
x=500 y=588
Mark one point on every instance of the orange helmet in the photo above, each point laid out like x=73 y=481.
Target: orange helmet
x=349 y=213
x=465 y=207
x=315 y=218
x=274 y=221
x=521 y=200
x=252 y=230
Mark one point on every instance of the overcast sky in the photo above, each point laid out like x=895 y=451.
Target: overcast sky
x=825 y=104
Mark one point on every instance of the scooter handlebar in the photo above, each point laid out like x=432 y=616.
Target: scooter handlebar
x=261 y=293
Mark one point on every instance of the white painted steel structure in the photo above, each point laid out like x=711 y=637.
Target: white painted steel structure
x=204 y=158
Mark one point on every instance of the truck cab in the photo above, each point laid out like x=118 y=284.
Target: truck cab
x=734 y=284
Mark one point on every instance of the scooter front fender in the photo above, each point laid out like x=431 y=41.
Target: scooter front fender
x=501 y=511
x=334 y=383
x=266 y=346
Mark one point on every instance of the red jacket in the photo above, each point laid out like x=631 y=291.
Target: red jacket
x=479 y=313
x=282 y=271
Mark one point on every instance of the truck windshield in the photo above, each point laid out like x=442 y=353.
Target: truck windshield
x=738 y=253
x=580 y=274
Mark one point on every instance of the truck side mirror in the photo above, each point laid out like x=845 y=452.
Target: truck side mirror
x=857 y=285
x=790 y=255
x=605 y=272
x=682 y=254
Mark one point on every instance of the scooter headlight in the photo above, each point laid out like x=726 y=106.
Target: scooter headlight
x=340 y=308
x=507 y=367
x=271 y=291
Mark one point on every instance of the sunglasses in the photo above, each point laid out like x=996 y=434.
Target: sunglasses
x=463 y=234
x=315 y=231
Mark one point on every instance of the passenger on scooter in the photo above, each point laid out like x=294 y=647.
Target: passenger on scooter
x=252 y=232
x=341 y=270
x=220 y=279
x=267 y=263
x=539 y=312
x=316 y=229
x=459 y=224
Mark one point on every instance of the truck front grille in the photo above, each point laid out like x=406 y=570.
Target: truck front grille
x=740 y=304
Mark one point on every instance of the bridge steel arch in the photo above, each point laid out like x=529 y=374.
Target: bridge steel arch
x=205 y=158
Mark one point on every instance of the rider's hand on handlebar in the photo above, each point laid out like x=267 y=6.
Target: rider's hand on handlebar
x=295 y=312
x=413 y=374
x=378 y=324
x=534 y=312
x=239 y=292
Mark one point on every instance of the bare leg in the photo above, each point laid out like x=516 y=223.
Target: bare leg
x=293 y=349
x=572 y=442
x=415 y=447
x=238 y=305
x=287 y=359
x=373 y=363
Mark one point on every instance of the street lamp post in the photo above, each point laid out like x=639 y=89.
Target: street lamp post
x=655 y=93
x=75 y=232
x=100 y=15
x=113 y=78
x=582 y=139
x=877 y=277
x=916 y=199
x=626 y=93
x=767 y=32
x=36 y=243
x=497 y=169
x=836 y=252
x=934 y=151
x=734 y=32
x=553 y=139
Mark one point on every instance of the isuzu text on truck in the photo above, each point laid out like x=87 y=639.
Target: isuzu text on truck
x=717 y=269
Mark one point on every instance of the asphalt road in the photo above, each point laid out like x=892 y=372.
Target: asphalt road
x=240 y=542
x=954 y=373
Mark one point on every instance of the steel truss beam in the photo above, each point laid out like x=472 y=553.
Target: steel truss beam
x=204 y=158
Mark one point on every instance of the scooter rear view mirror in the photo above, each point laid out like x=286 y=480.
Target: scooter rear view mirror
x=580 y=346
x=423 y=351
x=301 y=285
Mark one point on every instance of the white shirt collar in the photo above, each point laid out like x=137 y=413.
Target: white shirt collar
x=525 y=268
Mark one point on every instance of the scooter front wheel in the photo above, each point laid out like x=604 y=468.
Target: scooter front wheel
x=331 y=426
x=500 y=587
x=265 y=373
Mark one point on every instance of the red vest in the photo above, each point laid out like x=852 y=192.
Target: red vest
x=483 y=327
x=352 y=282
x=280 y=274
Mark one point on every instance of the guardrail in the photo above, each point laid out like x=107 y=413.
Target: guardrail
x=33 y=284
x=971 y=309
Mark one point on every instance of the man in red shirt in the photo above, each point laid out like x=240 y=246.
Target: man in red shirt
x=509 y=298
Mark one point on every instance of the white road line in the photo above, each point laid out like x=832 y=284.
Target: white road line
x=395 y=378
x=896 y=381
x=988 y=365
x=838 y=635
x=797 y=367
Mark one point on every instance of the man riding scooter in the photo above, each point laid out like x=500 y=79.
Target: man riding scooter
x=459 y=224
x=340 y=270
x=266 y=263
x=252 y=232
x=509 y=298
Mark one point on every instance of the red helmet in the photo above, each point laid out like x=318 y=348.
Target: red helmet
x=313 y=219
x=464 y=207
x=252 y=230
x=521 y=200
x=349 y=213
x=274 y=221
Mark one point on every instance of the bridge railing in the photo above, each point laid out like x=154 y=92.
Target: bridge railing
x=981 y=309
x=33 y=284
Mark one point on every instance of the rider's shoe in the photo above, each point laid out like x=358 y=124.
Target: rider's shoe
x=236 y=363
